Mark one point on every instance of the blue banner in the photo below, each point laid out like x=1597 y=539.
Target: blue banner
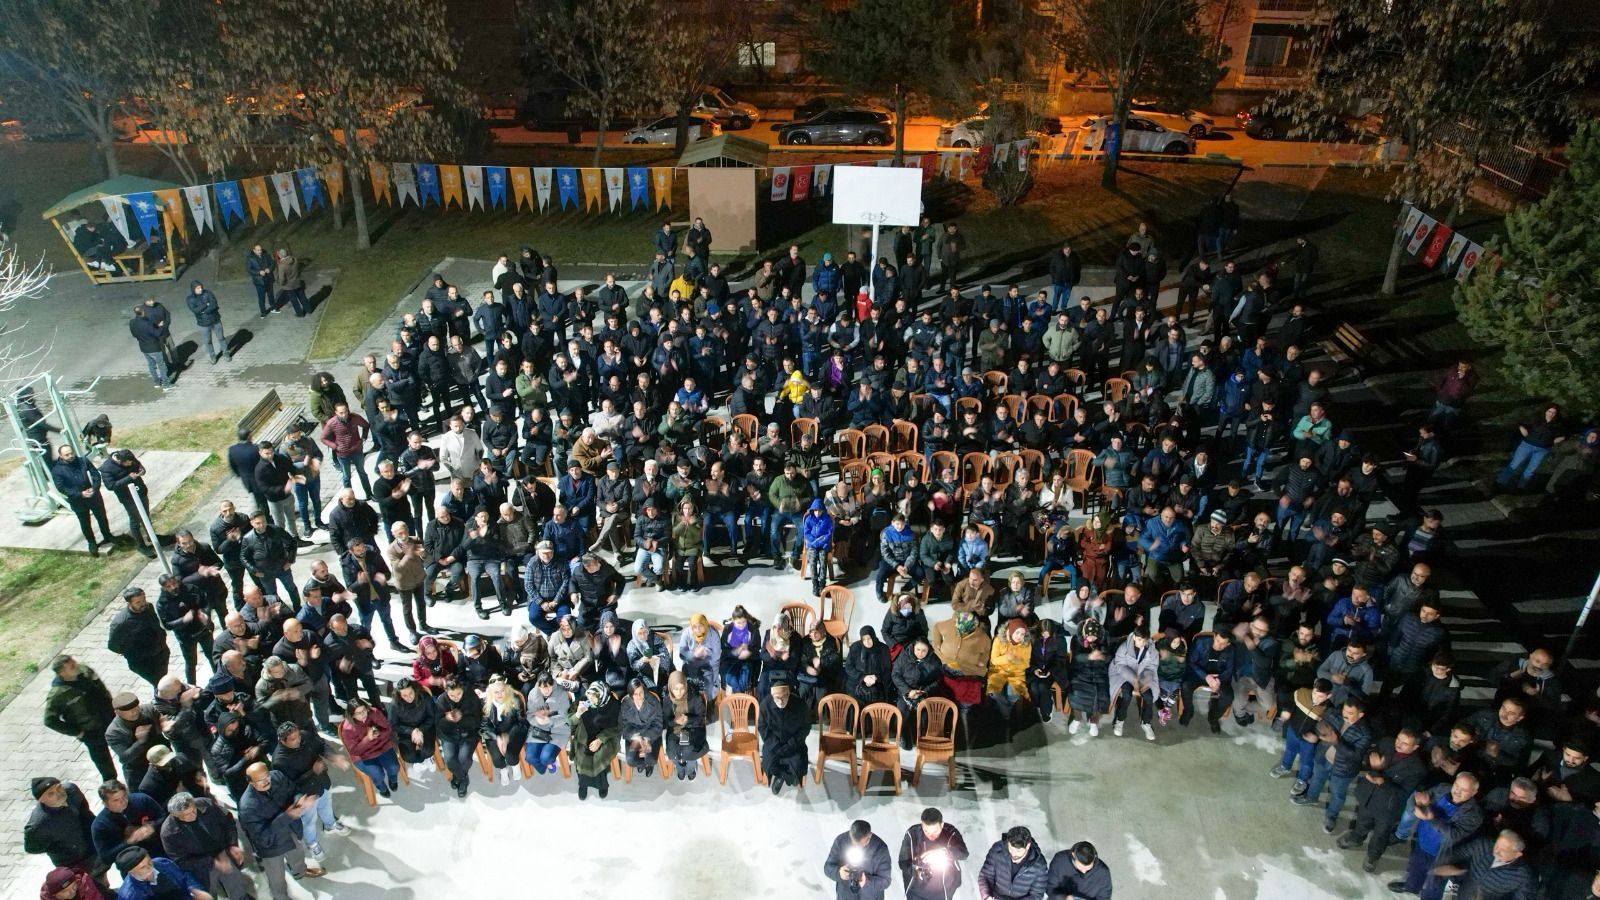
x=638 y=187
x=496 y=176
x=567 y=183
x=148 y=211
x=310 y=188
x=428 y=183
x=229 y=201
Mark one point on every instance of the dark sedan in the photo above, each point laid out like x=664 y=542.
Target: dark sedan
x=846 y=125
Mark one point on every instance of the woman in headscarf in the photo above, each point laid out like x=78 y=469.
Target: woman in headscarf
x=1094 y=551
x=903 y=623
x=642 y=724
x=1047 y=667
x=916 y=676
x=700 y=655
x=611 y=663
x=649 y=656
x=867 y=669
x=741 y=650
x=594 y=739
x=779 y=659
x=505 y=728
x=1009 y=656
x=526 y=655
x=821 y=658
x=69 y=884
x=434 y=665
x=1091 y=679
x=548 y=731
x=414 y=719
x=685 y=714
x=369 y=740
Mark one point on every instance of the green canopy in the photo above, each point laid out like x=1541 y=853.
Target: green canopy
x=111 y=187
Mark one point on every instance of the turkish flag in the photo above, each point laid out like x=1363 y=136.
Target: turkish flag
x=1436 y=245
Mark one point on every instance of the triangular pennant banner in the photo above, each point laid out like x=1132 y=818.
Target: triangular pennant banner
x=405 y=184
x=661 y=182
x=199 y=207
x=544 y=180
x=230 y=204
x=283 y=186
x=638 y=187
x=1419 y=234
x=614 y=188
x=592 y=179
x=522 y=187
x=496 y=177
x=147 y=210
x=472 y=183
x=1469 y=261
x=310 y=188
x=822 y=179
x=172 y=201
x=333 y=177
x=117 y=215
x=381 y=183
x=450 y=183
x=567 y=186
x=780 y=183
x=1458 y=246
x=800 y=182
x=427 y=183
x=257 y=198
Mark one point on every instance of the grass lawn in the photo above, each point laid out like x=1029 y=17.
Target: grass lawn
x=46 y=597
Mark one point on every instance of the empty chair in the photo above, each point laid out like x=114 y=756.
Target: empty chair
x=837 y=717
x=936 y=738
x=903 y=436
x=837 y=604
x=739 y=716
x=877 y=438
x=880 y=742
x=852 y=443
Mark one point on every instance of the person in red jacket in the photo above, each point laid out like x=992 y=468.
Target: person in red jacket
x=344 y=433
x=370 y=742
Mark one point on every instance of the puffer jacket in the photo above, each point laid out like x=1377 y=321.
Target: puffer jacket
x=965 y=654
x=1131 y=667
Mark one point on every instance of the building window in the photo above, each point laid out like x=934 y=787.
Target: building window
x=762 y=55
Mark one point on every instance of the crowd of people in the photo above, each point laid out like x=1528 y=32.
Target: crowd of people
x=1174 y=511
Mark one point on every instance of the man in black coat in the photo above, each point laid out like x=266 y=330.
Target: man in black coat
x=784 y=726
x=269 y=816
x=1078 y=872
x=123 y=475
x=203 y=839
x=858 y=864
x=226 y=532
x=930 y=857
x=152 y=345
x=1395 y=770
x=132 y=733
x=137 y=636
x=184 y=612
x=208 y=316
x=59 y=827
x=242 y=458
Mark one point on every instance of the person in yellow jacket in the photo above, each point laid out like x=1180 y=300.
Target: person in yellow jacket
x=1009 y=657
x=795 y=387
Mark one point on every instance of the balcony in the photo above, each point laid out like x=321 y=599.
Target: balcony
x=1289 y=11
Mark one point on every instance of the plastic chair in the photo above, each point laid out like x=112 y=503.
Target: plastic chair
x=974 y=466
x=838 y=603
x=747 y=425
x=963 y=404
x=859 y=471
x=996 y=381
x=1013 y=404
x=800 y=615
x=903 y=436
x=1080 y=471
x=801 y=426
x=837 y=717
x=888 y=462
x=714 y=432
x=852 y=443
x=1076 y=377
x=1035 y=463
x=1006 y=466
x=1040 y=403
x=369 y=789
x=877 y=438
x=880 y=742
x=936 y=738
x=1065 y=405
x=986 y=533
x=945 y=459
x=1116 y=388
x=663 y=765
x=912 y=460
x=739 y=716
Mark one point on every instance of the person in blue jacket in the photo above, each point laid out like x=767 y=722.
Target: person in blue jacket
x=79 y=482
x=817 y=529
x=154 y=878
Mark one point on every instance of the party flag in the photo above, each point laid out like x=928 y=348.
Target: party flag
x=450 y=181
x=567 y=186
x=522 y=187
x=800 y=182
x=427 y=184
x=543 y=180
x=405 y=184
x=638 y=187
x=379 y=173
x=661 y=182
x=333 y=177
x=255 y=196
x=199 y=207
x=614 y=187
x=310 y=188
x=472 y=181
x=780 y=183
x=172 y=201
x=147 y=210
x=229 y=203
x=283 y=186
x=496 y=177
x=592 y=179
x=1436 y=245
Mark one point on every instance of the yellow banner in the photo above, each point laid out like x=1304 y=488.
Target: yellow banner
x=333 y=176
x=521 y=188
x=172 y=202
x=381 y=190
x=661 y=180
x=450 y=184
x=592 y=180
x=256 y=197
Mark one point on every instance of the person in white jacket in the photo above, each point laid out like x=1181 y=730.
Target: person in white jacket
x=1133 y=671
x=460 y=450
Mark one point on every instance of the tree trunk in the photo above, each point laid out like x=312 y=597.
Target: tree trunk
x=682 y=139
x=1113 y=151
x=363 y=241
x=1391 y=272
x=108 y=154
x=899 y=124
x=600 y=137
x=338 y=215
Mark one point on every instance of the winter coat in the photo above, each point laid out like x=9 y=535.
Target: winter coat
x=194 y=845
x=271 y=831
x=1091 y=678
x=1008 y=664
x=62 y=834
x=80 y=707
x=966 y=655
x=1131 y=667
x=370 y=740
x=204 y=306
x=1001 y=879
x=861 y=662
x=598 y=723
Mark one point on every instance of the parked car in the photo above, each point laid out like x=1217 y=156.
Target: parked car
x=846 y=125
x=822 y=102
x=726 y=111
x=664 y=130
x=1196 y=123
x=1267 y=125
x=969 y=132
x=1144 y=135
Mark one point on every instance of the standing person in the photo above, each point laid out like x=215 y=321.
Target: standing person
x=203 y=839
x=153 y=345
x=242 y=458
x=268 y=816
x=258 y=265
x=291 y=278
x=1453 y=391
x=208 y=317
x=79 y=482
x=79 y=706
x=185 y=612
x=277 y=479
x=1540 y=435
x=930 y=856
x=1079 y=873
x=59 y=827
x=1421 y=461
x=1014 y=868
x=858 y=864
x=1305 y=265
x=345 y=433
x=137 y=636
x=954 y=243
x=698 y=239
x=124 y=476
x=268 y=552
x=404 y=558
x=1065 y=272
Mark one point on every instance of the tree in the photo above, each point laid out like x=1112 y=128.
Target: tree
x=887 y=47
x=1446 y=78
x=352 y=77
x=569 y=38
x=685 y=58
x=1140 y=48
x=1540 y=300
x=61 y=63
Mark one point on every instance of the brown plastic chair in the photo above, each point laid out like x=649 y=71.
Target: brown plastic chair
x=714 y=432
x=1076 y=377
x=739 y=717
x=838 y=603
x=943 y=459
x=912 y=461
x=858 y=470
x=1116 y=388
x=903 y=436
x=837 y=717
x=801 y=426
x=888 y=462
x=986 y=533
x=852 y=443
x=1006 y=467
x=996 y=382
x=880 y=742
x=1080 y=470
x=800 y=615
x=936 y=738
x=877 y=438
x=1065 y=405
x=1040 y=403
x=922 y=404
x=663 y=765
x=1013 y=404
x=1034 y=462
x=1222 y=586
x=1130 y=374
x=747 y=425
x=974 y=466
x=370 y=790
x=963 y=404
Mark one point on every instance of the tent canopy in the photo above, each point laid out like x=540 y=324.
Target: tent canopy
x=111 y=187
x=725 y=150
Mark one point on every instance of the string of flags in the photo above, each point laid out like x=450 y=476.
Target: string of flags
x=798 y=183
x=1435 y=243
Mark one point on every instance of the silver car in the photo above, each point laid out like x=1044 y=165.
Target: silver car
x=1141 y=136
x=845 y=125
x=665 y=130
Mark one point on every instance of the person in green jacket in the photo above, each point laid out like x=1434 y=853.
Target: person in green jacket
x=687 y=533
x=789 y=495
x=596 y=737
x=79 y=706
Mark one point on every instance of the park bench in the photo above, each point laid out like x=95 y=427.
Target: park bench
x=270 y=418
x=1366 y=354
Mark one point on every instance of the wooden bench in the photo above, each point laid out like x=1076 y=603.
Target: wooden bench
x=270 y=418
x=1366 y=353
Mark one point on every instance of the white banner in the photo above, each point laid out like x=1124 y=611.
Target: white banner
x=472 y=177
x=542 y=178
x=1458 y=246
x=1023 y=146
x=1001 y=153
x=199 y=207
x=1469 y=261
x=405 y=183
x=288 y=197
x=614 y=185
x=117 y=215
x=1409 y=221
x=780 y=183
x=1419 y=234
x=821 y=180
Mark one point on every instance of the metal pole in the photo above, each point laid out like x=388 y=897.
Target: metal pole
x=872 y=290
x=150 y=530
x=1577 y=629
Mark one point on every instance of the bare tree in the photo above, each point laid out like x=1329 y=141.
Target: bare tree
x=690 y=54
x=20 y=282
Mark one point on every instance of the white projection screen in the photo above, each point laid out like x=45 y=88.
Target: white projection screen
x=876 y=195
